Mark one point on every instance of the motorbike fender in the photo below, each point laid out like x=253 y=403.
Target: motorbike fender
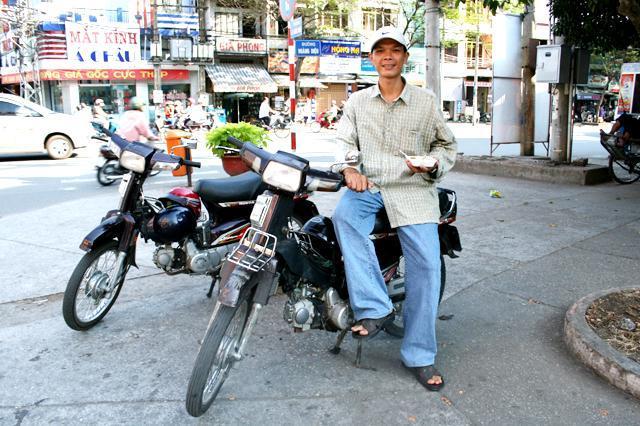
x=234 y=278
x=449 y=240
x=112 y=225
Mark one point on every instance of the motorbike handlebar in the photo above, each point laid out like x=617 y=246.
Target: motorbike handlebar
x=237 y=142
x=190 y=163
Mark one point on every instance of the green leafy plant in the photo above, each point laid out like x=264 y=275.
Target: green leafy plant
x=244 y=131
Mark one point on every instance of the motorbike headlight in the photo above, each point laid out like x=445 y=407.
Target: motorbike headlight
x=282 y=176
x=132 y=161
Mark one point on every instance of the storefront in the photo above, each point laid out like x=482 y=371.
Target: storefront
x=239 y=77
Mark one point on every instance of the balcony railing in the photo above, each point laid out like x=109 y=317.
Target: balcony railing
x=482 y=63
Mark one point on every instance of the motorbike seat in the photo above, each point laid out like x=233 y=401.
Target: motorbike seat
x=382 y=224
x=243 y=187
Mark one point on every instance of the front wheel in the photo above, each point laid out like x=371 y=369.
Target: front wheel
x=59 y=147
x=89 y=296
x=397 y=327
x=315 y=126
x=107 y=173
x=216 y=355
x=282 y=131
x=624 y=171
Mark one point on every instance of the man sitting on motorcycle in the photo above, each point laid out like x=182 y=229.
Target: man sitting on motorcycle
x=631 y=129
x=380 y=121
x=134 y=123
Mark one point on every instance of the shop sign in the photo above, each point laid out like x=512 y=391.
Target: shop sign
x=295 y=27
x=625 y=101
x=480 y=83
x=307 y=48
x=279 y=63
x=99 y=74
x=241 y=45
x=366 y=67
x=102 y=44
x=342 y=49
x=334 y=65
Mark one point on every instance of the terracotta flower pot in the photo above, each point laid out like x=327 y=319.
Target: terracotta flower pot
x=233 y=165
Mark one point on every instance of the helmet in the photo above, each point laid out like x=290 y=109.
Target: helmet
x=183 y=197
x=136 y=103
x=171 y=224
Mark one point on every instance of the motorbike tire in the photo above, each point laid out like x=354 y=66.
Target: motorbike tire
x=83 y=281
x=105 y=173
x=622 y=172
x=214 y=360
x=396 y=328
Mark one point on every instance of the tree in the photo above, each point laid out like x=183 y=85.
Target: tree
x=597 y=24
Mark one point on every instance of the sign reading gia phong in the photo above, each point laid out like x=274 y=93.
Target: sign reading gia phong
x=105 y=44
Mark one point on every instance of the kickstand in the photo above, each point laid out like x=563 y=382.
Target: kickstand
x=358 y=362
x=336 y=348
x=214 y=281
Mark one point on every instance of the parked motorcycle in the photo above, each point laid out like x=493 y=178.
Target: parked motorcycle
x=110 y=170
x=188 y=239
x=306 y=263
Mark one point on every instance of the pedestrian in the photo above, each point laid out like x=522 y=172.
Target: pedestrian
x=134 y=123
x=265 y=111
x=379 y=122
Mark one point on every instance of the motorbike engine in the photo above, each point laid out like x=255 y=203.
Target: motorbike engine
x=307 y=308
x=190 y=258
x=169 y=259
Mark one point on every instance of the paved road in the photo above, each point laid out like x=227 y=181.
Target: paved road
x=527 y=257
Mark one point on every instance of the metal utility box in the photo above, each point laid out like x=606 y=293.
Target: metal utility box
x=180 y=48
x=553 y=64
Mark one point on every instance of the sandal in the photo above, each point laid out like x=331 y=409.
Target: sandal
x=423 y=374
x=373 y=326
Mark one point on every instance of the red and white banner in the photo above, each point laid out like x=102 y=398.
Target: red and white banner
x=100 y=74
x=241 y=45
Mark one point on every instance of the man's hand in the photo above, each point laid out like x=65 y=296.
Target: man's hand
x=421 y=169
x=355 y=180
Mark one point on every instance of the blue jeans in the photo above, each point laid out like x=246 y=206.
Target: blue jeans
x=353 y=221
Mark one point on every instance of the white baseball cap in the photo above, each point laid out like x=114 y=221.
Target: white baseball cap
x=387 y=32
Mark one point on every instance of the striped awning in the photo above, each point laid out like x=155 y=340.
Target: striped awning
x=250 y=78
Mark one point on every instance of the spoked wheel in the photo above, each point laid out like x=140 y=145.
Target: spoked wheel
x=624 y=171
x=396 y=328
x=87 y=298
x=315 y=126
x=282 y=131
x=107 y=173
x=217 y=355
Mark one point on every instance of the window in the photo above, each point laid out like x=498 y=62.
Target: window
x=451 y=53
x=227 y=24
x=7 y=108
x=372 y=19
x=248 y=26
x=334 y=19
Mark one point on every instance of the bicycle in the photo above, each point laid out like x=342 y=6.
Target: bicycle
x=624 y=159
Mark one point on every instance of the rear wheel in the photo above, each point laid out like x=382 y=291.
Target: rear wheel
x=624 y=171
x=87 y=298
x=397 y=327
x=282 y=131
x=216 y=355
x=59 y=147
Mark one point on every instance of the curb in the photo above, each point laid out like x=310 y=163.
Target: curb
x=594 y=352
x=532 y=168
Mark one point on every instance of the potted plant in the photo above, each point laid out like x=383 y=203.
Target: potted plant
x=231 y=163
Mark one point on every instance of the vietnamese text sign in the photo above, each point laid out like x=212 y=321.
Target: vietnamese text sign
x=100 y=74
x=342 y=49
x=112 y=44
x=241 y=45
x=307 y=48
x=279 y=63
x=337 y=65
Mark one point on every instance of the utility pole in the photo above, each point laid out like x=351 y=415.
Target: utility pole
x=202 y=41
x=528 y=87
x=559 y=117
x=432 y=45
x=23 y=22
x=476 y=54
x=157 y=57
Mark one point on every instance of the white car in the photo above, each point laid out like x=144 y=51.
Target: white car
x=29 y=127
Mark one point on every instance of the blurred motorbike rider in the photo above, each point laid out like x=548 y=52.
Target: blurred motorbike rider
x=98 y=113
x=134 y=123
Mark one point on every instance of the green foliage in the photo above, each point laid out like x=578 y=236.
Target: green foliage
x=494 y=5
x=593 y=24
x=244 y=131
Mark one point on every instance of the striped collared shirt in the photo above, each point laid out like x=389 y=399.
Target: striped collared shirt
x=413 y=123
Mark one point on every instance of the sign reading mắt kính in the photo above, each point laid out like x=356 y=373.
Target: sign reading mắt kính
x=104 y=44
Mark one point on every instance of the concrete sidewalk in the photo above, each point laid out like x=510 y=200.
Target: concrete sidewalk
x=527 y=257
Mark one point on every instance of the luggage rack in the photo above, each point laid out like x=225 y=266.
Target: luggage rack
x=255 y=250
